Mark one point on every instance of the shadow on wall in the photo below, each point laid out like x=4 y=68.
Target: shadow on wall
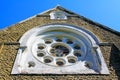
x=115 y=60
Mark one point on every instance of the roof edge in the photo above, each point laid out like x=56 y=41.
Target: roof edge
x=91 y=21
x=101 y=25
x=78 y=15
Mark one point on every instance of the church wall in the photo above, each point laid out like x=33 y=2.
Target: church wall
x=14 y=32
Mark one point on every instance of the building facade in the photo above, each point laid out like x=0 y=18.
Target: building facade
x=59 y=44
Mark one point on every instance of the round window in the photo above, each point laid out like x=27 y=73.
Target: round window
x=61 y=48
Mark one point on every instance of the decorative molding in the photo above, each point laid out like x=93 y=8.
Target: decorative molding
x=35 y=56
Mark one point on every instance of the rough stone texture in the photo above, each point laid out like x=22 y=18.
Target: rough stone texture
x=14 y=32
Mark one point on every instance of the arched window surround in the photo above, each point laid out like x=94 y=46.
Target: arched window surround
x=88 y=40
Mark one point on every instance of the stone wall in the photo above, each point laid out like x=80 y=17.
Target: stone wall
x=14 y=32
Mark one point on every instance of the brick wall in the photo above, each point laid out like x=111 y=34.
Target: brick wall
x=14 y=32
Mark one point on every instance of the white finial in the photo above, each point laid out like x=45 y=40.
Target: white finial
x=58 y=5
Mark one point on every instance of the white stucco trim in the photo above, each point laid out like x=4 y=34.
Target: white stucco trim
x=28 y=39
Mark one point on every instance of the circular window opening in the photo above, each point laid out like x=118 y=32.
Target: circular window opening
x=69 y=41
x=48 y=59
x=40 y=54
x=76 y=46
x=48 y=41
x=77 y=53
x=31 y=64
x=71 y=59
x=41 y=46
x=59 y=40
x=60 y=62
x=59 y=50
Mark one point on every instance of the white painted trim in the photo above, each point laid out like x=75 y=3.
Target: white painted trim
x=28 y=40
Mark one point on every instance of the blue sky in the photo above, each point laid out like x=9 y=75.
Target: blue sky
x=106 y=12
